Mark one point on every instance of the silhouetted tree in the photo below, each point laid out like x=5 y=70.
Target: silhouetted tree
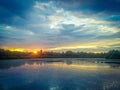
x=113 y=54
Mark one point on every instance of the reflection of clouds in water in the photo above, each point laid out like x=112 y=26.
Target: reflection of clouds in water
x=68 y=63
x=56 y=75
x=80 y=66
x=33 y=65
x=7 y=64
x=1 y=87
x=54 y=87
x=114 y=65
x=114 y=85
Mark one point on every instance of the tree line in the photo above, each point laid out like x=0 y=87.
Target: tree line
x=6 y=54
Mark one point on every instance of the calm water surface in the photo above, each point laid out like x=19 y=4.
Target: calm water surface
x=59 y=74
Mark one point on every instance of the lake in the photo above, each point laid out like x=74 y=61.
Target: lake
x=59 y=74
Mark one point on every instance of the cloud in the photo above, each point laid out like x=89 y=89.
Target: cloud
x=112 y=36
x=15 y=9
x=11 y=35
x=113 y=18
x=93 y=6
x=50 y=24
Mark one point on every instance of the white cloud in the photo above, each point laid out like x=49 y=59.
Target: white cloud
x=39 y=5
x=83 y=24
x=8 y=27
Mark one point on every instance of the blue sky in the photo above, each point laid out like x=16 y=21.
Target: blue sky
x=80 y=25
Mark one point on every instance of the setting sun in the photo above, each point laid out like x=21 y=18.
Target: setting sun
x=35 y=52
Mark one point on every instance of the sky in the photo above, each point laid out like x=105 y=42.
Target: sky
x=78 y=25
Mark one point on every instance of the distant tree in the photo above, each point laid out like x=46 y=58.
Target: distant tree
x=69 y=52
x=6 y=54
x=113 y=54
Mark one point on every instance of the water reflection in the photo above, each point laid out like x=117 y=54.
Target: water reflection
x=6 y=64
x=58 y=75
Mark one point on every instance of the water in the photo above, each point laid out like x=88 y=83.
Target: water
x=59 y=74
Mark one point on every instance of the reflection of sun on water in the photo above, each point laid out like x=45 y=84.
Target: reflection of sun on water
x=86 y=66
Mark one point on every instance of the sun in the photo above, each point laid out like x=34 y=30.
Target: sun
x=35 y=52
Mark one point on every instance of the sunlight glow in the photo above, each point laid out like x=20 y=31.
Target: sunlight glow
x=88 y=45
x=35 y=52
x=71 y=47
x=17 y=49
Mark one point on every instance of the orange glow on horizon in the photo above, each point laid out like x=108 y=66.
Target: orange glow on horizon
x=73 y=47
x=17 y=49
x=35 y=51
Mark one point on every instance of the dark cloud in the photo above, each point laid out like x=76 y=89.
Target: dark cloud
x=7 y=39
x=108 y=6
x=70 y=30
x=113 y=18
x=16 y=12
x=14 y=8
x=115 y=35
x=116 y=46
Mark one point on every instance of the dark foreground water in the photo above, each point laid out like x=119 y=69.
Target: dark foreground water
x=59 y=74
